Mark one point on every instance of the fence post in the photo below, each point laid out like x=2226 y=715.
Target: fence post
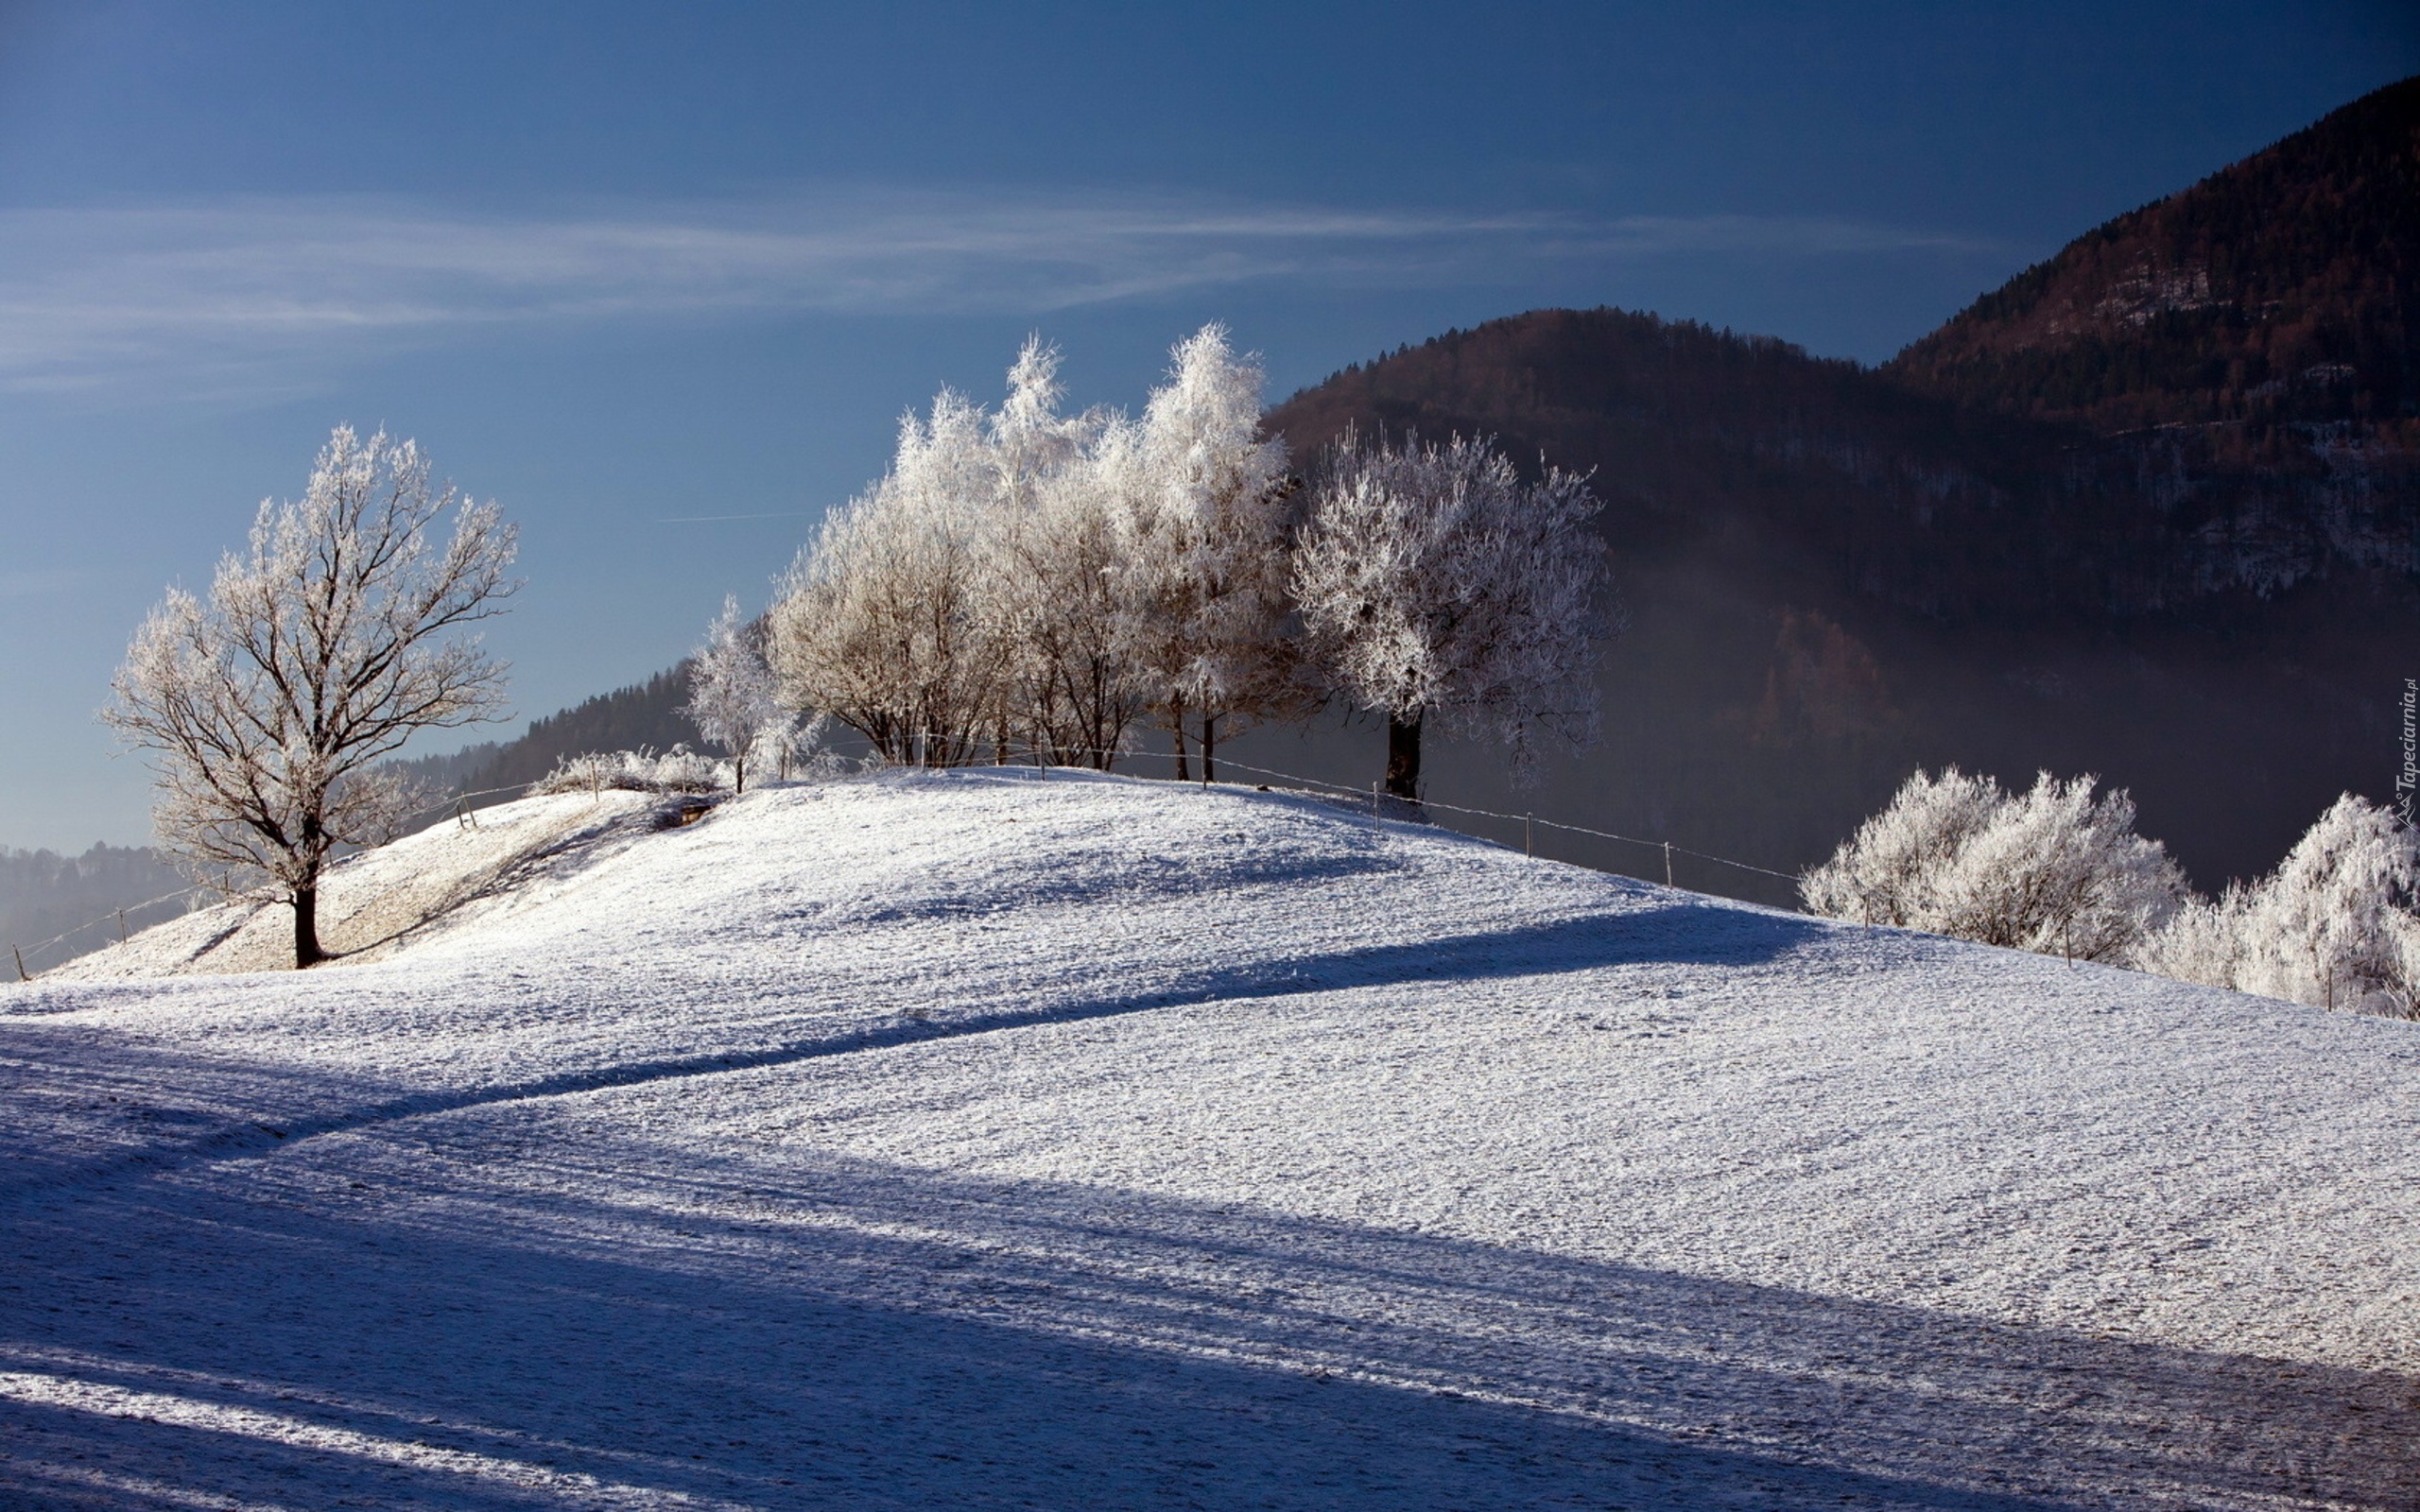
x=1668 y=863
x=121 y=926
x=21 y=964
x=1528 y=835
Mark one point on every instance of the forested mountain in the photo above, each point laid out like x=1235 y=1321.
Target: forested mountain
x=2166 y=541
x=2276 y=291
x=1978 y=554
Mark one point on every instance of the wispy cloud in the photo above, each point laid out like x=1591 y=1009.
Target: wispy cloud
x=92 y=295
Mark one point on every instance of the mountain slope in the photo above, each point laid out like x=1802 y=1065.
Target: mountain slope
x=1833 y=580
x=974 y=1139
x=2284 y=288
x=1978 y=554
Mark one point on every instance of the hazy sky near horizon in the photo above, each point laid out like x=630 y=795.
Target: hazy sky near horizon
x=660 y=278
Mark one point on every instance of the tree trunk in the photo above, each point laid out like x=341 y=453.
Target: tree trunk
x=1402 y=758
x=1209 y=746
x=1176 y=729
x=307 y=927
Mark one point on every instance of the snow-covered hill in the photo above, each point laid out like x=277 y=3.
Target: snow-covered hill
x=977 y=1140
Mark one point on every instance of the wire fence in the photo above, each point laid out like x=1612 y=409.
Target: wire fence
x=1033 y=759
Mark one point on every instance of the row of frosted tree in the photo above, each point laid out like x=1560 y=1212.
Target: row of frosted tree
x=1030 y=584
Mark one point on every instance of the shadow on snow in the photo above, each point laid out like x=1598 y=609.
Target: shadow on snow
x=792 y=1327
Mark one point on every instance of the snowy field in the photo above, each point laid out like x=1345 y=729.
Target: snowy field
x=977 y=1140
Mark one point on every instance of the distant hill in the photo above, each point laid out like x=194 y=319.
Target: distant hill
x=2152 y=510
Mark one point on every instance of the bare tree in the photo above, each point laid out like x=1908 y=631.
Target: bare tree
x=321 y=650
x=1433 y=582
x=731 y=697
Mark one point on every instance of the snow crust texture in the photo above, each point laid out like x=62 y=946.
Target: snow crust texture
x=966 y=1138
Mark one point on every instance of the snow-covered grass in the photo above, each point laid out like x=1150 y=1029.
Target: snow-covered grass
x=966 y=1138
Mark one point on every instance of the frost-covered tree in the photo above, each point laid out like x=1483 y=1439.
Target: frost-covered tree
x=882 y=622
x=1028 y=580
x=2053 y=870
x=1434 y=584
x=1076 y=694
x=1202 y=518
x=326 y=645
x=1053 y=595
x=2333 y=926
x=732 y=699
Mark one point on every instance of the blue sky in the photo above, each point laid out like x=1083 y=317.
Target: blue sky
x=660 y=278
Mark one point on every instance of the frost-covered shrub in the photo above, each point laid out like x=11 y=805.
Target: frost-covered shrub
x=678 y=770
x=791 y=751
x=2053 y=870
x=2203 y=942
x=794 y=751
x=2333 y=926
x=1892 y=870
